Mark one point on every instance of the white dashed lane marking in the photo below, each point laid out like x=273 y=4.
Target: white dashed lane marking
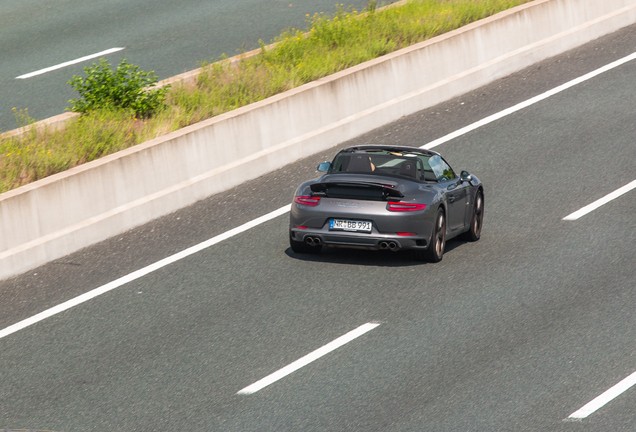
x=69 y=63
x=596 y=204
x=605 y=398
x=304 y=361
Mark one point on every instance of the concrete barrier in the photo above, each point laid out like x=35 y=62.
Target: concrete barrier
x=65 y=212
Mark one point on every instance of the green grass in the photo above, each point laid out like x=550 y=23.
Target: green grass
x=330 y=43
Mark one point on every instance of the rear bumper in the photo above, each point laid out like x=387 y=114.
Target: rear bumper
x=373 y=240
x=314 y=222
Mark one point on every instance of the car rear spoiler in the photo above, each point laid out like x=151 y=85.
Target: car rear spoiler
x=357 y=190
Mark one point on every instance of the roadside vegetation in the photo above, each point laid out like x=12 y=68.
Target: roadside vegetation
x=112 y=120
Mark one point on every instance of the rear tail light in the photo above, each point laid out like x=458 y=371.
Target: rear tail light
x=404 y=207
x=406 y=234
x=310 y=201
x=300 y=227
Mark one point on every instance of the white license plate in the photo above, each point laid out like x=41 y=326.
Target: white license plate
x=349 y=225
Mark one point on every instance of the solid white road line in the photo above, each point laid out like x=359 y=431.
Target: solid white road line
x=68 y=63
x=282 y=210
x=596 y=204
x=605 y=398
x=304 y=361
x=528 y=102
x=141 y=272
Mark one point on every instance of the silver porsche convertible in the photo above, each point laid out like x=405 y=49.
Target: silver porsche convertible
x=386 y=197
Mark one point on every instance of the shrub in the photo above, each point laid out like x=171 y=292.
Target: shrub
x=127 y=88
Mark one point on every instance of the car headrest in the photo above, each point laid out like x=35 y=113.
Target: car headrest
x=408 y=169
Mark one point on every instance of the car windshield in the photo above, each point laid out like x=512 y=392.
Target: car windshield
x=383 y=162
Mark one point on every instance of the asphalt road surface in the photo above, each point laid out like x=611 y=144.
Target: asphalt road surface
x=516 y=332
x=165 y=36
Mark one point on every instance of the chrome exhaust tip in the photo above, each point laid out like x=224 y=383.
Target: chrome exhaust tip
x=383 y=245
x=393 y=246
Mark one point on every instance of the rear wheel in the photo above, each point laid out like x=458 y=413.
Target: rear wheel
x=435 y=251
x=477 y=220
x=302 y=247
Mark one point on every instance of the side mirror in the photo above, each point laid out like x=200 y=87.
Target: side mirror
x=465 y=176
x=324 y=167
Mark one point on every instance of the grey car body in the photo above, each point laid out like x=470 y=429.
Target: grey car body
x=386 y=197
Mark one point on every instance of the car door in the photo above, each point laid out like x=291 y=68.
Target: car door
x=457 y=196
x=458 y=203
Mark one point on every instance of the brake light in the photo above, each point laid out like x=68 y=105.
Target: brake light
x=300 y=227
x=406 y=234
x=396 y=206
x=310 y=201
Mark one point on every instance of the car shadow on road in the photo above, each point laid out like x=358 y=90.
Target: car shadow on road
x=362 y=257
